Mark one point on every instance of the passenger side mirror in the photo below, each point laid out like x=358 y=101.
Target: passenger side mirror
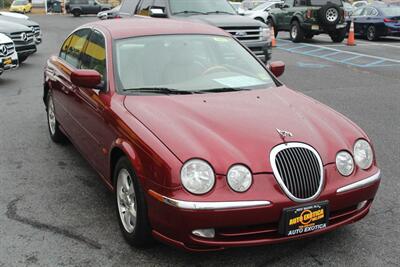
x=86 y=78
x=277 y=68
x=157 y=12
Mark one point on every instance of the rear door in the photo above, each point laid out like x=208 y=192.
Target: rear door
x=287 y=14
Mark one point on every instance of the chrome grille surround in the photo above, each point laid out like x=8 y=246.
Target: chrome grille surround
x=245 y=34
x=303 y=178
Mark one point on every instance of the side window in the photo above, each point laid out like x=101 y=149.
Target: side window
x=374 y=12
x=76 y=45
x=300 y=3
x=94 y=56
x=358 y=12
x=366 y=11
x=64 y=48
x=144 y=7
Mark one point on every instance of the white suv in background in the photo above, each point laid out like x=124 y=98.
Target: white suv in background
x=260 y=12
x=8 y=54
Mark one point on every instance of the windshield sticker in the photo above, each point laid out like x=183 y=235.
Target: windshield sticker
x=221 y=39
x=239 y=81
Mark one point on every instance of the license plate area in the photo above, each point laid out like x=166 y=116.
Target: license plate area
x=315 y=27
x=7 y=61
x=304 y=219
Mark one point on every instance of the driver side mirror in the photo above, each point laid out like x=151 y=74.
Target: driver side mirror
x=157 y=12
x=86 y=78
x=277 y=68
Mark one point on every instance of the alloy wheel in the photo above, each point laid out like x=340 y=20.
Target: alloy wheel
x=126 y=200
x=332 y=14
x=51 y=116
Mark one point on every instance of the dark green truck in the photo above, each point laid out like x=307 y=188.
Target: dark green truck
x=305 y=18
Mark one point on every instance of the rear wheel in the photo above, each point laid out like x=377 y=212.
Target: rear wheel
x=270 y=23
x=371 y=33
x=296 y=32
x=338 y=36
x=131 y=206
x=54 y=128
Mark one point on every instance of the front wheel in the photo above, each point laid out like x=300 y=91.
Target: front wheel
x=54 y=128
x=296 y=32
x=131 y=206
x=76 y=13
x=21 y=59
x=338 y=36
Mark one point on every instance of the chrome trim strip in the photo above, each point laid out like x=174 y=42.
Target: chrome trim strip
x=361 y=183
x=279 y=179
x=214 y=205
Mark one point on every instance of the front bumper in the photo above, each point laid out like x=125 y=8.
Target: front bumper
x=9 y=66
x=26 y=50
x=255 y=220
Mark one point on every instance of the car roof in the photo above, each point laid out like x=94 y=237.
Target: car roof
x=143 y=26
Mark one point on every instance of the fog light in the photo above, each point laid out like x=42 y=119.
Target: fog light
x=206 y=233
x=361 y=204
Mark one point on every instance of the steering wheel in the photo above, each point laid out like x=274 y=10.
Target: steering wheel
x=217 y=68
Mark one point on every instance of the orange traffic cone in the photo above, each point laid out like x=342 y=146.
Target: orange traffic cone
x=273 y=40
x=350 y=39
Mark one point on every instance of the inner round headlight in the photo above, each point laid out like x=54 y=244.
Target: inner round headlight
x=197 y=176
x=363 y=154
x=344 y=163
x=239 y=178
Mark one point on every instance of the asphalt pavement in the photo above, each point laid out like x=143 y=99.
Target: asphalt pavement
x=54 y=210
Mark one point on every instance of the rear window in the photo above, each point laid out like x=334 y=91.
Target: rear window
x=392 y=11
x=324 y=2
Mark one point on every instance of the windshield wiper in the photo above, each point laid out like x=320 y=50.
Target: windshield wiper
x=219 y=12
x=222 y=90
x=160 y=90
x=189 y=11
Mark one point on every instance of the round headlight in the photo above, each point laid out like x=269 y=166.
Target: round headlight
x=344 y=163
x=197 y=176
x=363 y=155
x=239 y=178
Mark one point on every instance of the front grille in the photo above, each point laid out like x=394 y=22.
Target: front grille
x=245 y=33
x=10 y=49
x=36 y=30
x=18 y=39
x=298 y=169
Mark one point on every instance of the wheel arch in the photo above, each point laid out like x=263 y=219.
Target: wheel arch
x=297 y=18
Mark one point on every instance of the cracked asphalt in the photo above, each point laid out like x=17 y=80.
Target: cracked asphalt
x=54 y=211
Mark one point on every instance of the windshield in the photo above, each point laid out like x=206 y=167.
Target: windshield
x=203 y=6
x=190 y=63
x=20 y=3
x=391 y=11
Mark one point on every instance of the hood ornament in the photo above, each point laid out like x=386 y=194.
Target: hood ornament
x=283 y=134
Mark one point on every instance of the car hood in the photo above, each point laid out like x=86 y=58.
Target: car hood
x=5 y=39
x=24 y=22
x=241 y=127
x=222 y=21
x=9 y=27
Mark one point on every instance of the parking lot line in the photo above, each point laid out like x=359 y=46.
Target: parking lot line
x=337 y=55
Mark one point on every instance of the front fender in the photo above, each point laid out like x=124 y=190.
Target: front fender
x=298 y=16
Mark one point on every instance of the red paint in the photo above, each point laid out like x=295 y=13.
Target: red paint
x=159 y=133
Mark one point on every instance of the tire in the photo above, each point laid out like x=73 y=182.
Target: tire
x=54 y=127
x=271 y=24
x=371 y=33
x=76 y=12
x=21 y=59
x=308 y=35
x=329 y=14
x=296 y=32
x=338 y=36
x=130 y=200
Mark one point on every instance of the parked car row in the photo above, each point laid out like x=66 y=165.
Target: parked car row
x=253 y=34
x=19 y=40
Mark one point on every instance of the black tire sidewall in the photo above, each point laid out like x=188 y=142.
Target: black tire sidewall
x=368 y=31
x=141 y=236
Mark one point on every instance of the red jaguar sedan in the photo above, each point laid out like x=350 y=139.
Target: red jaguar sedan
x=203 y=146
